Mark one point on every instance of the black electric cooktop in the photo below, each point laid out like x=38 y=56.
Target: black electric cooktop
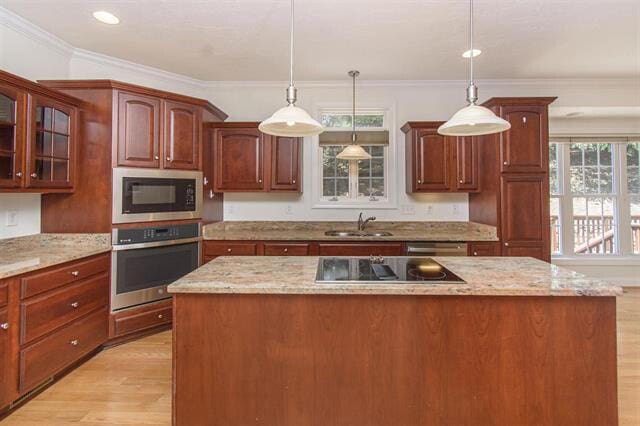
x=396 y=270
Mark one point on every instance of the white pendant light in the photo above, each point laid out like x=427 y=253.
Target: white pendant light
x=291 y=120
x=473 y=119
x=353 y=151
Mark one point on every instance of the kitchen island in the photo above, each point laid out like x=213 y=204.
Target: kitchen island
x=520 y=341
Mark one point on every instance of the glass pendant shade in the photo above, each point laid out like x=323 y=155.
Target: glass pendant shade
x=353 y=152
x=474 y=120
x=291 y=121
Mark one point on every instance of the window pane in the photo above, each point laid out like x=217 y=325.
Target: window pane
x=364 y=168
x=554 y=184
x=43 y=143
x=377 y=167
x=377 y=187
x=633 y=168
x=370 y=120
x=43 y=118
x=61 y=122
x=377 y=151
x=331 y=166
x=7 y=137
x=43 y=168
x=594 y=225
x=338 y=120
x=60 y=170
x=591 y=170
x=555 y=225
x=364 y=189
x=60 y=146
x=635 y=222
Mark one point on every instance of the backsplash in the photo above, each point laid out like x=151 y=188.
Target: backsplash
x=19 y=215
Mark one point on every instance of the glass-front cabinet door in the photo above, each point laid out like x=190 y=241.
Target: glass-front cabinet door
x=11 y=136
x=51 y=145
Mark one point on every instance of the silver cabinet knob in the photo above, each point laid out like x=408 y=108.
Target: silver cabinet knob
x=505 y=163
x=4 y=326
x=475 y=253
x=506 y=244
x=75 y=273
x=460 y=180
x=169 y=159
x=419 y=181
x=74 y=305
x=229 y=250
x=33 y=175
x=155 y=157
x=259 y=180
x=211 y=194
x=160 y=316
x=205 y=181
x=286 y=250
x=19 y=174
x=294 y=181
x=74 y=342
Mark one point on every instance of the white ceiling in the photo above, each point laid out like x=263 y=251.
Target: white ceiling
x=384 y=39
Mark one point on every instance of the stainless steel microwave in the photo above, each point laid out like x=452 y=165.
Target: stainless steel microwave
x=144 y=195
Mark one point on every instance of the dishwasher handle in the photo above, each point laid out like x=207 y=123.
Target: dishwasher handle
x=438 y=250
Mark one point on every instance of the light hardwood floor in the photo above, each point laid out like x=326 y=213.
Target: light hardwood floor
x=131 y=384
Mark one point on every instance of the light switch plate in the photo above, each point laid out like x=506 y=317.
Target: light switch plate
x=12 y=217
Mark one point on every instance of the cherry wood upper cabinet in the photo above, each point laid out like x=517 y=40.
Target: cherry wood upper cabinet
x=37 y=137
x=247 y=160
x=182 y=140
x=524 y=215
x=435 y=163
x=138 y=130
x=285 y=163
x=12 y=135
x=524 y=148
x=466 y=160
x=239 y=159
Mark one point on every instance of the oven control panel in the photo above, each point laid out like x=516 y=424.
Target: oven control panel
x=160 y=233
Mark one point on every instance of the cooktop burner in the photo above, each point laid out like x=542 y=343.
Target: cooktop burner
x=397 y=270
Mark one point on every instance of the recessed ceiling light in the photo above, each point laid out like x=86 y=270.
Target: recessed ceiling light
x=106 y=17
x=476 y=52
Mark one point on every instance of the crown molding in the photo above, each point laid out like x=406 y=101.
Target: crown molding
x=33 y=32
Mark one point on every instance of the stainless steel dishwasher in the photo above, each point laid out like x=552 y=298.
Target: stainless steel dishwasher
x=437 y=249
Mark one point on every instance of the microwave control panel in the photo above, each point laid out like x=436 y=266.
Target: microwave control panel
x=161 y=233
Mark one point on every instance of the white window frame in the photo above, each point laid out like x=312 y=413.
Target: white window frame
x=622 y=207
x=390 y=166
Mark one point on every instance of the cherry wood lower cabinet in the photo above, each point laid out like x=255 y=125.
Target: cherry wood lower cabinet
x=361 y=249
x=132 y=323
x=50 y=320
x=394 y=360
x=483 y=248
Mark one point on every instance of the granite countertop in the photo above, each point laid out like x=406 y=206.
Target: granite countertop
x=484 y=276
x=26 y=254
x=314 y=231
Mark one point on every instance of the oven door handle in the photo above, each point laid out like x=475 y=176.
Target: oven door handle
x=156 y=244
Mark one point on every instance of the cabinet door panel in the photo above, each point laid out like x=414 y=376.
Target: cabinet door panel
x=536 y=251
x=525 y=210
x=138 y=130
x=239 y=160
x=182 y=124
x=431 y=161
x=51 y=147
x=12 y=136
x=466 y=155
x=524 y=147
x=285 y=163
x=484 y=248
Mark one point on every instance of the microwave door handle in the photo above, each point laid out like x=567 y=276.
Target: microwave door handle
x=155 y=244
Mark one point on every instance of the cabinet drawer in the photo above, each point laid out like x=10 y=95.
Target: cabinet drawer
x=284 y=249
x=351 y=249
x=52 y=354
x=64 y=274
x=484 y=249
x=229 y=249
x=4 y=294
x=43 y=314
x=126 y=324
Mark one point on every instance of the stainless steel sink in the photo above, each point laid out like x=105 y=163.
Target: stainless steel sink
x=357 y=234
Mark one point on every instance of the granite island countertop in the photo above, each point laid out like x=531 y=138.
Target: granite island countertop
x=315 y=231
x=484 y=276
x=26 y=254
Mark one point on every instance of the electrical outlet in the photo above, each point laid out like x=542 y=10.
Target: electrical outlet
x=288 y=210
x=12 y=217
x=429 y=210
x=408 y=209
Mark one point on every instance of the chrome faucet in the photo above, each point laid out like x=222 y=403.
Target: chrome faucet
x=362 y=223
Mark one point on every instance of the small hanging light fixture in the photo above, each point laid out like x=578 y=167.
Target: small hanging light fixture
x=473 y=119
x=353 y=151
x=291 y=120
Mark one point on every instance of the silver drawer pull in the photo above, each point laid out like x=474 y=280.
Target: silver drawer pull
x=33 y=175
x=74 y=342
x=19 y=174
x=4 y=326
x=286 y=250
x=160 y=316
x=74 y=305
x=75 y=273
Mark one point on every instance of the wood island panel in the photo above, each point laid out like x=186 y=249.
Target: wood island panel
x=403 y=360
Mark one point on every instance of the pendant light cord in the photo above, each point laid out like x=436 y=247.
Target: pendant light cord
x=471 y=40
x=291 y=49
x=353 y=110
